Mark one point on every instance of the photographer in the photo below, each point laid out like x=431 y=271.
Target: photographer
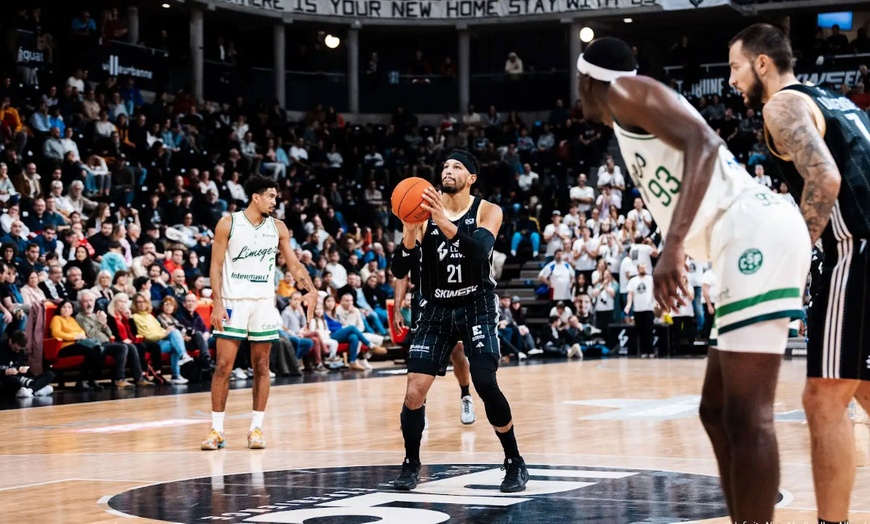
x=13 y=370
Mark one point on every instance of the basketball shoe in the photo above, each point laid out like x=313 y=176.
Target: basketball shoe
x=256 y=440
x=214 y=441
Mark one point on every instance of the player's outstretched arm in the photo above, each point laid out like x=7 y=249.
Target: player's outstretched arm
x=408 y=253
x=400 y=286
x=303 y=279
x=795 y=135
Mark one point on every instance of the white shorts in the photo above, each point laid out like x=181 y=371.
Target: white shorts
x=761 y=255
x=256 y=320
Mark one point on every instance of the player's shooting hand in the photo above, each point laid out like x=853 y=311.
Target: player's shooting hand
x=668 y=278
x=432 y=203
x=310 y=301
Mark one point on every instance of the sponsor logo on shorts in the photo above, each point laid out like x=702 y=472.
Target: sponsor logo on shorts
x=750 y=261
x=477 y=334
x=419 y=347
x=868 y=363
x=453 y=293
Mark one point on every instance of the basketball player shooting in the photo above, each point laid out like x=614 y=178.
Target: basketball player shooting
x=821 y=142
x=709 y=208
x=460 y=362
x=242 y=273
x=454 y=251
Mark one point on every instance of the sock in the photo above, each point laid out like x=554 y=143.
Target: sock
x=413 y=422
x=823 y=521
x=509 y=443
x=257 y=420
x=26 y=382
x=465 y=392
x=217 y=421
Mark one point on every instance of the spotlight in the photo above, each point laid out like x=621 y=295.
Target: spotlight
x=586 y=35
x=165 y=6
x=331 y=41
x=627 y=20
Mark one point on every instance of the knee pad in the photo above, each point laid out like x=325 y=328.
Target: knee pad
x=498 y=411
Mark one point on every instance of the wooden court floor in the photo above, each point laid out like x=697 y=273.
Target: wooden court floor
x=620 y=420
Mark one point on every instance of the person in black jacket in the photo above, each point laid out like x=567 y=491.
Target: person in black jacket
x=14 y=379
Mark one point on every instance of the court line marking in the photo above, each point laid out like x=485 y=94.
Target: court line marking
x=69 y=480
x=34 y=484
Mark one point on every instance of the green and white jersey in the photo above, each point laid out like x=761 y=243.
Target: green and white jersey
x=657 y=170
x=249 y=263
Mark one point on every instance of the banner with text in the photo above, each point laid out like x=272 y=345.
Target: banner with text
x=148 y=67
x=713 y=79
x=453 y=9
x=27 y=52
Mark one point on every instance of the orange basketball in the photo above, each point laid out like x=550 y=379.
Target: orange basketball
x=407 y=198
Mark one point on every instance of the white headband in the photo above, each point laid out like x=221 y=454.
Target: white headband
x=601 y=73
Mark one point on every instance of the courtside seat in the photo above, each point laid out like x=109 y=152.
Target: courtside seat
x=396 y=336
x=51 y=348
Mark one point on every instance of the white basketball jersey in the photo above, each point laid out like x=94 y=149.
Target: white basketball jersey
x=657 y=170
x=249 y=264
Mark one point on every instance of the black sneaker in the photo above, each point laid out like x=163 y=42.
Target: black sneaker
x=516 y=475
x=410 y=475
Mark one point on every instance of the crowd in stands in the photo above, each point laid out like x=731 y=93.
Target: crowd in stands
x=110 y=199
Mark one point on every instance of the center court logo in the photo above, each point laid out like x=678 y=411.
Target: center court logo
x=452 y=493
x=750 y=261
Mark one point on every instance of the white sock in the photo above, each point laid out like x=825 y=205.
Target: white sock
x=257 y=420
x=217 y=421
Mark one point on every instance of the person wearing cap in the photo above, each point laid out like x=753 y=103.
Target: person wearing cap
x=708 y=207
x=556 y=235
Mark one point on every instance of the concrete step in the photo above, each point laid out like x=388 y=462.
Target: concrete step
x=523 y=282
x=530 y=273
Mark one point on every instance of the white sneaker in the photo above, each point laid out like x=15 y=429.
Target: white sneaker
x=24 y=393
x=513 y=253
x=44 y=392
x=179 y=380
x=250 y=373
x=365 y=363
x=522 y=356
x=272 y=374
x=185 y=359
x=425 y=422
x=535 y=351
x=239 y=374
x=467 y=415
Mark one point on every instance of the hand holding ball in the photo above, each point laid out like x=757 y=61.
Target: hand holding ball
x=407 y=199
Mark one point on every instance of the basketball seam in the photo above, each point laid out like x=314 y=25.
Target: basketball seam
x=402 y=201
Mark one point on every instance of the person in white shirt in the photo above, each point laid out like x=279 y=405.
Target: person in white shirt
x=237 y=191
x=604 y=293
x=556 y=235
x=562 y=311
x=696 y=272
x=627 y=271
x=574 y=219
x=709 y=296
x=640 y=296
x=611 y=174
x=582 y=194
x=684 y=317
x=559 y=275
x=606 y=200
x=585 y=252
x=339 y=272
x=761 y=178
x=594 y=221
x=69 y=144
x=298 y=154
x=642 y=218
x=527 y=179
x=643 y=251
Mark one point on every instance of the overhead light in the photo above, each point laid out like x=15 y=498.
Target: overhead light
x=627 y=20
x=331 y=41
x=165 y=6
x=586 y=35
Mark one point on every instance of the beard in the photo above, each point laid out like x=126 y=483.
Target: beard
x=755 y=93
x=452 y=190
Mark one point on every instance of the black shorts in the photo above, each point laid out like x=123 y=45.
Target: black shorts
x=838 y=322
x=439 y=328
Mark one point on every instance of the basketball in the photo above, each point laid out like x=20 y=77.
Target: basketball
x=407 y=198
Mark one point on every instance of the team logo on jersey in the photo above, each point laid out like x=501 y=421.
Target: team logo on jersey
x=442 y=251
x=750 y=261
x=469 y=221
x=447 y=493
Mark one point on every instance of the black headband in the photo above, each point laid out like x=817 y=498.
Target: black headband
x=465 y=160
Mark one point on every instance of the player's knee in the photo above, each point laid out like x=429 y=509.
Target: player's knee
x=484 y=382
x=826 y=399
x=710 y=412
x=744 y=423
x=415 y=394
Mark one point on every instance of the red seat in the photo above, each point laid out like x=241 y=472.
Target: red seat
x=52 y=346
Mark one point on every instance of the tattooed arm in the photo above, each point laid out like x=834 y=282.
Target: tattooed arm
x=794 y=134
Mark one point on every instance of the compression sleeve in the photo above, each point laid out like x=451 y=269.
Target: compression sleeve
x=404 y=260
x=476 y=246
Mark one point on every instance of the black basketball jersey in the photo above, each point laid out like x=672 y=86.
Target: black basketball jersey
x=847 y=135
x=448 y=277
